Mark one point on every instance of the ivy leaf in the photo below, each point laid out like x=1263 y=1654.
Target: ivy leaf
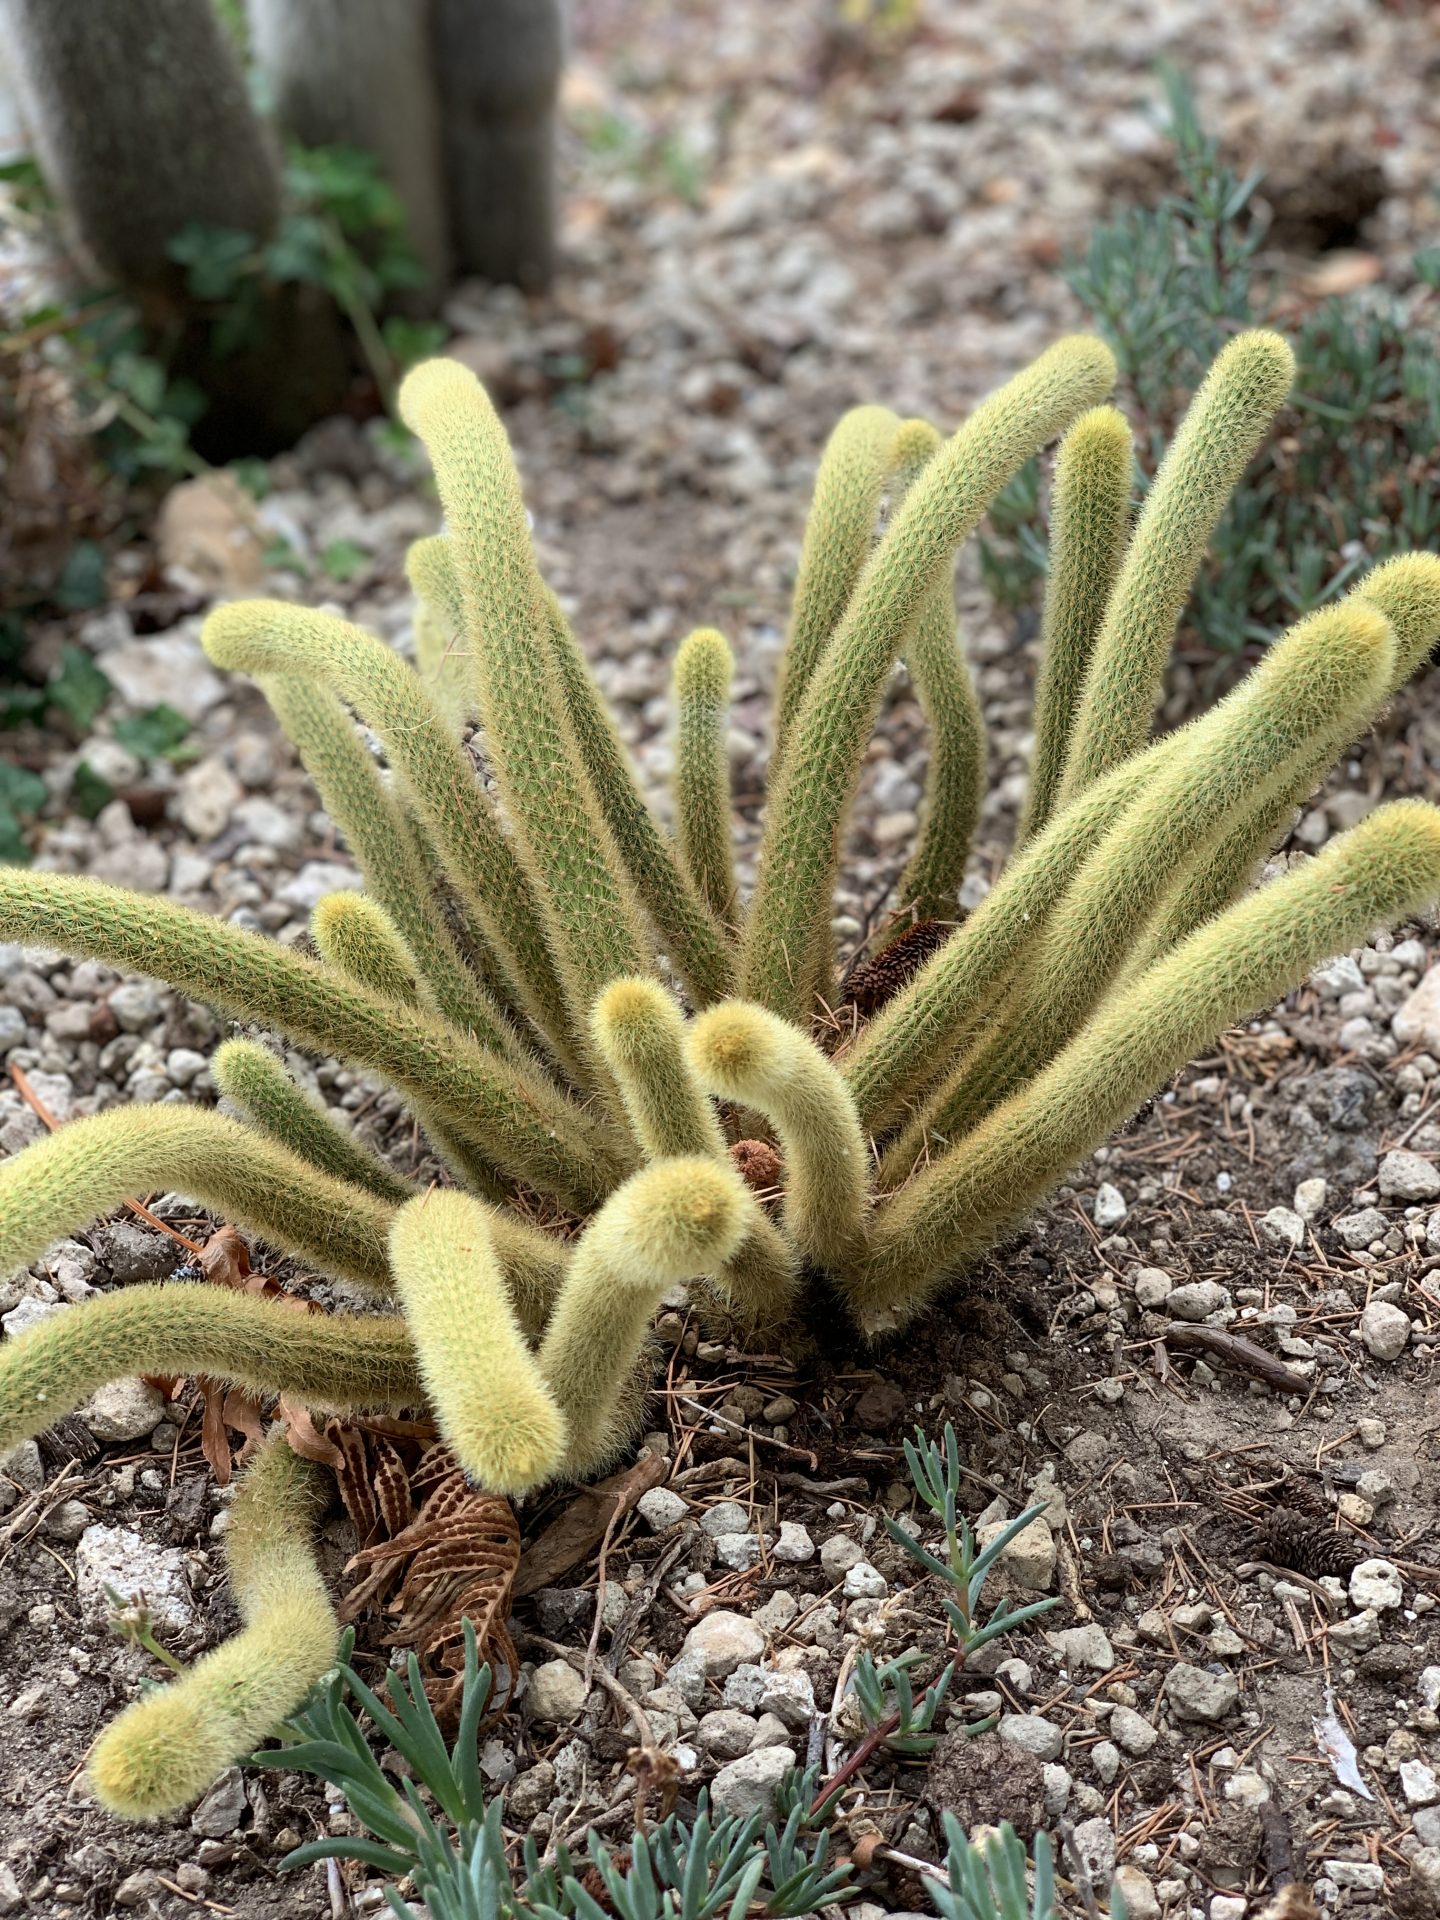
x=79 y=689
x=154 y=734
x=89 y=794
x=82 y=583
x=343 y=559
x=216 y=259
x=21 y=790
x=13 y=850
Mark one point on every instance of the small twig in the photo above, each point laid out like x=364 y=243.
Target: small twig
x=592 y=1644
x=738 y=1426
x=607 y=1680
x=645 y=1598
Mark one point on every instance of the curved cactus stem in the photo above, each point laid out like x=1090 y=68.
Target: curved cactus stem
x=839 y=534
x=704 y=827
x=911 y=1042
x=534 y=1133
x=640 y=1033
x=66 y=1180
x=1407 y=592
x=684 y=921
x=588 y=907
x=1314 y=683
x=1244 y=959
x=267 y=637
x=1225 y=423
x=491 y=1403
x=166 y=1749
x=356 y=937
x=788 y=954
x=671 y=1222
x=744 y=1053
x=348 y=1363
x=252 y=1079
x=1089 y=519
x=389 y=852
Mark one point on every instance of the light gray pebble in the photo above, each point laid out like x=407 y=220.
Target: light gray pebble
x=1385 y=1330
x=1132 y=1732
x=725 y=1733
x=728 y=1517
x=1194 y=1694
x=839 y=1553
x=720 y=1643
x=136 y=1006
x=1110 y=1206
x=751 y=1782
x=1153 y=1287
x=1197 y=1300
x=660 y=1508
x=864 y=1582
x=1283 y=1227
x=793 y=1545
x=1032 y=1734
x=1105 y=1759
x=1408 y=1176
x=1356 y=1230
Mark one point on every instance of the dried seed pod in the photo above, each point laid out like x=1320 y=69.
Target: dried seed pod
x=869 y=985
x=760 y=1166
x=1308 y=1546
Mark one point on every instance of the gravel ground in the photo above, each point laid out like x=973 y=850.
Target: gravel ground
x=1246 y=1560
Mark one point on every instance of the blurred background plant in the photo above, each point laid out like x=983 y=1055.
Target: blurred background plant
x=251 y=235
x=1349 y=478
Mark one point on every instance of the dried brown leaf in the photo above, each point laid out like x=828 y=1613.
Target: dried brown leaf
x=581 y=1527
x=225 y=1259
x=429 y=1571
x=214 y=1441
x=304 y=1438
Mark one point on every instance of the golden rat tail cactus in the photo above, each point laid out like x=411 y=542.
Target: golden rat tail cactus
x=592 y=1025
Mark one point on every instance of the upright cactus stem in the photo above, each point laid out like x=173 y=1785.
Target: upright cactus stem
x=1226 y=422
x=704 y=829
x=955 y=777
x=788 y=959
x=587 y=903
x=1089 y=518
x=838 y=536
x=389 y=851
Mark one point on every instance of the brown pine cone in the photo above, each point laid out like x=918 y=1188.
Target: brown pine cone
x=869 y=985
